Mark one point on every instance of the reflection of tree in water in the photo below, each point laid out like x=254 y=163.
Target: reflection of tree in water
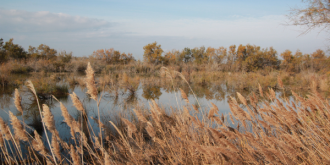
x=6 y=94
x=128 y=99
x=151 y=92
x=31 y=110
x=30 y=107
x=131 y=98
x=220 y=93
x=35 y=122
x=203 y=91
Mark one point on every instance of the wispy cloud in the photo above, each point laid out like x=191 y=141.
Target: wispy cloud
x=44 y=21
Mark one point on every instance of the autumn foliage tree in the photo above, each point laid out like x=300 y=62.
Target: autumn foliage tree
x=216 y=55
x=199 y=55
x=171 y=57
x=111 y=56
x=152 y=53
x=319 y=60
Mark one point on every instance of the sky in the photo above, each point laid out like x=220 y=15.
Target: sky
x=83 y=26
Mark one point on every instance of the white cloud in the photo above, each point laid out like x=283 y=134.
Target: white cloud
x=44 y=21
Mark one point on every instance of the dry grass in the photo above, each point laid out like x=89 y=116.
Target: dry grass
x=264 y=130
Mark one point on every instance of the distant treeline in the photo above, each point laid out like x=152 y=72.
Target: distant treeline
x=239 y=58
x=245 y=58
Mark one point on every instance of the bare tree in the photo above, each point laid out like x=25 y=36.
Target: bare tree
x=316 y=14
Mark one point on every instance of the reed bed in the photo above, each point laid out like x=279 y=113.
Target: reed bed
x=261 y=129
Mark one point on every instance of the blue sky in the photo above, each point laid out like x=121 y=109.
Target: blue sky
x=83 y=26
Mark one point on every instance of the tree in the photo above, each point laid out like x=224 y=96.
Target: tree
x=126 y=58
x=210 y=53
x=287 y=63
x=112 y=56
x=3 y=55
x=43 y=51
x=33 y=52
x=14 y=51
x=199 y=55
x=46 y=52
x=319 y=60
x=185 y=55
x=270 y=59
x=152 y=53
x=104 y=54
x=220 y=55
x=65 y=57
x=251 y=58
x=231 y=58
x=171 y=57
x=316 y=14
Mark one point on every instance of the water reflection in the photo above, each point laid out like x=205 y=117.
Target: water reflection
x=151 y=92
x=35 y=123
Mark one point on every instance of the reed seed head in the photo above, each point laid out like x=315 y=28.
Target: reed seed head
x=4 y=129
x=76 y=102
x=184 y=96
x=243 y=100
x=17 y=101
x=48 y=118
x=18 y=128
x=90 y=82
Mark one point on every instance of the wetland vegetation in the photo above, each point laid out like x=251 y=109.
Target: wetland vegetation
x=236 y=105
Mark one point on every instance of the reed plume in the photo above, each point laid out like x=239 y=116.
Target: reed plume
x=243 y=100
x=74 y=156
x=130 y=127
x=140 y=116
x=107 y=159
x=38 y=144
x=76 y=102
x=150 y=130
x=69 y=120
x=29 y=84
x=67 y=117
x=195 y=108
x=214 y=110
x=56 y=147
x=17 y=101
x=90 y=82
x=4 y=129
x=48 y=118
x=184 y=96
x=18 y=128
x=1 y=140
